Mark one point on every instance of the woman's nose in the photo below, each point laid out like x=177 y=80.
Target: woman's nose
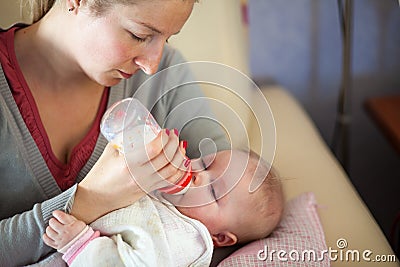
x=151 y=57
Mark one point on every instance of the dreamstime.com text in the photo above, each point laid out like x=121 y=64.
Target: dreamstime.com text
x=340 y=254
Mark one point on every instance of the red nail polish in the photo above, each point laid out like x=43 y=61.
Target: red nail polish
x=187 y=163
x=176 y=132
x=167 y=131
x=184 y=144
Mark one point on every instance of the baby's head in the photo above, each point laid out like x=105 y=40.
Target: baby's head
x=220 y=198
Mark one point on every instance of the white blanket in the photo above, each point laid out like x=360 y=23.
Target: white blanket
x=147 y=233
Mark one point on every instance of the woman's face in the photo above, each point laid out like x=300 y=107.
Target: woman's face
x=126 y=38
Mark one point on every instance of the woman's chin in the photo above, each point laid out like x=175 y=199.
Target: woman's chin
x=110 y=82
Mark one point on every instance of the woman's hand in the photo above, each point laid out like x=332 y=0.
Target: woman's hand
x=159 y=164
x=117 y=181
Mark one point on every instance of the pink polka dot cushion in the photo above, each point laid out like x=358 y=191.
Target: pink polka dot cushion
x=297 y=241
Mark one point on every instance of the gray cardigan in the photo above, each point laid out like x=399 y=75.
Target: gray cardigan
x=29 y=193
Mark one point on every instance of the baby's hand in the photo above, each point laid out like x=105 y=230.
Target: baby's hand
x=62 y=229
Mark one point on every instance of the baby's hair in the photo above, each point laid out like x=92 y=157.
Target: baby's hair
x=267 y=200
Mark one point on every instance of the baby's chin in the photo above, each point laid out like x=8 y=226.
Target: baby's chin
x=173 y=199
x=182 y=210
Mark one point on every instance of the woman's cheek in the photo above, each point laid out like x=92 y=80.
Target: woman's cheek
x=119 y=52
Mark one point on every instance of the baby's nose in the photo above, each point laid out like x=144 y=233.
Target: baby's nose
x=200 y=178
x=195 y=179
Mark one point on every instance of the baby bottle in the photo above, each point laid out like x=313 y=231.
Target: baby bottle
x=129 y=123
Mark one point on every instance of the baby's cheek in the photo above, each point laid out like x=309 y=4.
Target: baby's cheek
x=191 y=212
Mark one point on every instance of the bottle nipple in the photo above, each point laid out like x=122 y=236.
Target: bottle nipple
x=181 y=187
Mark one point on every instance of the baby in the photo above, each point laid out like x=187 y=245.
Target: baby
x=218 y=208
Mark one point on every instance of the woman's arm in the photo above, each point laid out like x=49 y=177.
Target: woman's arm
x=107 y=187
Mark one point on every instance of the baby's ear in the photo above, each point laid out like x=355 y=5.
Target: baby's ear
x=224 y=239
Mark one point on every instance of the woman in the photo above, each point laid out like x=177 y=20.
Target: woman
x=58 y=76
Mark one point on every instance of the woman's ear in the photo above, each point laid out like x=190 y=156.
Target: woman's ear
x=73 y=5
x=224 y=239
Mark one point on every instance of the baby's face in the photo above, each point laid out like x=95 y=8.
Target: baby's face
x=219 y=195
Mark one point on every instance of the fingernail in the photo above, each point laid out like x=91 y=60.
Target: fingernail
x=184 y=144
x=187 y=162
x=176 y=132
x=167 y=131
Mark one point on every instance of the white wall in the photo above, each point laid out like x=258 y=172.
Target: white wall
x=215 y=32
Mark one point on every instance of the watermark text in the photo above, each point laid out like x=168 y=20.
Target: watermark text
x=309 y=255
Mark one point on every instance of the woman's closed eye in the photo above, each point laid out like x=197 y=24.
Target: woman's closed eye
x=137 y=38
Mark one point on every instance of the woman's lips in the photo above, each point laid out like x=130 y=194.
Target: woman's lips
x=125 y=75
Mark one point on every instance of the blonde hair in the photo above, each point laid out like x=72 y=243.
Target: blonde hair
x=33 y=10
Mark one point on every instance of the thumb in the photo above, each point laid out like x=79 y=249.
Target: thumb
x=63 y=217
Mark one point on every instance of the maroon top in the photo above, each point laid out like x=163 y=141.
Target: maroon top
x=64 y=174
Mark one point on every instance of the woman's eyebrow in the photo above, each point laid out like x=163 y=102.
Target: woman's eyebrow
x=154 y=29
